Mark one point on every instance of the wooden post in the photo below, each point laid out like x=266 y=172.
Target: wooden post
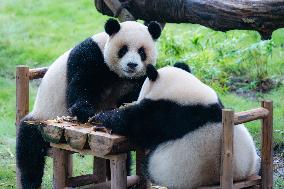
x=118 y=172
x=140 y=155
x=227 y=149
x=61 y=168
x=266 y=148
x=100 y=169
x=22 y=102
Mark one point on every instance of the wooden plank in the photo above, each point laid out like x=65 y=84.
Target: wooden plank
x=227 y=149
x=82 y=180
x=37 y=73
x=131 y=181
x=251 y=181
x=22 y=102
x=267 y=148
x=250 y=115
x=76 y=135
x=60 y=168
x=118 y=172
x=140 y=156
x=103 y=143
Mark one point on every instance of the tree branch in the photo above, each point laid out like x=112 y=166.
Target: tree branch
x=264 y=16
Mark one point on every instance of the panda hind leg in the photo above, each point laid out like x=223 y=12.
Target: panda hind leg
x=31 y=150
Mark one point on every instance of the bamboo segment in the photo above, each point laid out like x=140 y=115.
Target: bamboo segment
x=227 y=149
x=266 y=149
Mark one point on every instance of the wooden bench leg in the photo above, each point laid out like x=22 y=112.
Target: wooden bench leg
x=62 y=168
x=143 y=183
x=100 y=166
x=118 y=172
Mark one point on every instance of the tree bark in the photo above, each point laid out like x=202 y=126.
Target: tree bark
x=264 y=16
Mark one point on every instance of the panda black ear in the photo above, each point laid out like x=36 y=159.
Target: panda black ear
x=182 y=66
x=151 y=72
x=112 y=26
x=155 y=30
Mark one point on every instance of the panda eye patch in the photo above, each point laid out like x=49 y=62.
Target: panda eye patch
x=142 y=53
x=122 y=51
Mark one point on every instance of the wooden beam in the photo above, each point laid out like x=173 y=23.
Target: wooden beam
x=249 y=182
x=61 y=159
x=264 y=16
x=267 y=148
x=250 y=115
x=227 y=149
x=82 y=180
x=118 y=172
x=99 y=168
x=37 y=73
x=22 y=103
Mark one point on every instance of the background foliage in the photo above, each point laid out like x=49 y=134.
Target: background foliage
x=237 y=64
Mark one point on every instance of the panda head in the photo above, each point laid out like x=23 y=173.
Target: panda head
x=130 y=47
x=178 y=85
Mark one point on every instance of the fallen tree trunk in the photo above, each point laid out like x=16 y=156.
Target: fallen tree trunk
x=264 y=16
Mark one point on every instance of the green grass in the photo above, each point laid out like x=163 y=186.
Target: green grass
x=35 y=32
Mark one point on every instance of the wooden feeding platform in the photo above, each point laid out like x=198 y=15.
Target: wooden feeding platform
x=82 y=138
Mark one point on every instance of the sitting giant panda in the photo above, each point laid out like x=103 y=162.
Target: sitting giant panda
x=99 y=74
x=179 y=119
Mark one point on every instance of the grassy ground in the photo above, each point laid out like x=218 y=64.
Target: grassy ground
x=34 y=33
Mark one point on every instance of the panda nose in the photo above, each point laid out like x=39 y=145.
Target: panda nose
x=132 y=65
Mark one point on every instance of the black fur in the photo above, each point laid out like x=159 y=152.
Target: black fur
x=88 y=77
x=112 y=26
x=151 y=72
x=142 y=53
x=155 y=30
x=182 y=66
x=150 y=122
x=30 y=152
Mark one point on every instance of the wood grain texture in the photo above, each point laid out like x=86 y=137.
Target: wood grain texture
x=263 y=16
x=267 y=147
x=37 y=73
x=60 y=168
x=22 y=103
x=227 y=149
x=118 y=172
x=250 y=115
x=251 y=181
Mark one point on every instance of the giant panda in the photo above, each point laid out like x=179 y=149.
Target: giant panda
x=98 y=74
x=179 y=119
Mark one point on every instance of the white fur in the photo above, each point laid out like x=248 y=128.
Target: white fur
x=134 y=35
x=179 y=86
x=194 y=160
x=51 y=96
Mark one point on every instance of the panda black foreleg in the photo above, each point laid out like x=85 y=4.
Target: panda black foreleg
x=82 y=110
x=31 y=150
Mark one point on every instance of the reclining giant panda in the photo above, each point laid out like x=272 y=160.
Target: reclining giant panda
x=179 y=119
x=99 y=74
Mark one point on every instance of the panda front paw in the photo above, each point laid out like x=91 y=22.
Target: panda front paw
x=110 y=120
